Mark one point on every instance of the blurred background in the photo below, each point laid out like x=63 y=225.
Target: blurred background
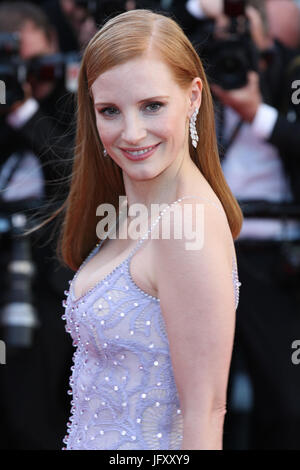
x=251 y=53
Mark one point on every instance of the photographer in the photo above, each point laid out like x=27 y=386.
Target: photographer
x=259 y=132
x=36 y=131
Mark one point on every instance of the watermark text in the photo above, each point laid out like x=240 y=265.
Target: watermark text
x=296 y=93
x=296 y=354
x=2 y=92
x=2 y=352
x=184 y=221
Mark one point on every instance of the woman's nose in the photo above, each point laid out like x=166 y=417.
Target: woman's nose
x=133 y=131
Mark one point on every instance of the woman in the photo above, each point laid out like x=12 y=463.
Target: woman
x=153 y=322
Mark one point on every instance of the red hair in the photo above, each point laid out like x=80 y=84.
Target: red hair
x=96 y=179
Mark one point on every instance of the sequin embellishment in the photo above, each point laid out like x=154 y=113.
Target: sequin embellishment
x=122 y=385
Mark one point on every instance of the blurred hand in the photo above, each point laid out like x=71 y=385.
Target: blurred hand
x=27 y=94
x=245 y=101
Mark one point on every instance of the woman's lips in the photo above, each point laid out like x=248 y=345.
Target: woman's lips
x=143 y=156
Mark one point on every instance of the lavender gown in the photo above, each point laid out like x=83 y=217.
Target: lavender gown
x=124 y=393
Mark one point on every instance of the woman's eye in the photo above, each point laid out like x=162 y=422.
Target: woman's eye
x=156 y=104
x=103 y=111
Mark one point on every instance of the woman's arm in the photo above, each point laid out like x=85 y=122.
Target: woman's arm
x=197 y=301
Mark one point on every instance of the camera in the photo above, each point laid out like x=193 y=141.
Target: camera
x=230 y=52
x=14 y=71
x=19 y=318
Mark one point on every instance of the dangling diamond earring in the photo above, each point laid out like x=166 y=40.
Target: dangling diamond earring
x=193 y=130
x=105 y=152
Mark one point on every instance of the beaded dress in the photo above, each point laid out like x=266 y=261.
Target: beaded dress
x=124 y=392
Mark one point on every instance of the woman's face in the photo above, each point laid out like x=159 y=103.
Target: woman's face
x=138 y=104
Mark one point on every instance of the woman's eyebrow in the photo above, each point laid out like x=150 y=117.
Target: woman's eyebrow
x=141 y=101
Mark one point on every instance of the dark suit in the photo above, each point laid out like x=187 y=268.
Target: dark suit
x=34 y=405
x=268 y=313
x=286 y=134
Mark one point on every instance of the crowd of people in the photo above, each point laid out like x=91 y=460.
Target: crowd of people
x=258 y=130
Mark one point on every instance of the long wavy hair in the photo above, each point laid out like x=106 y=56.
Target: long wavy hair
x=96 y=179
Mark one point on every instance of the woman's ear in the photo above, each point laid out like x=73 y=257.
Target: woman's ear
x=195 y=95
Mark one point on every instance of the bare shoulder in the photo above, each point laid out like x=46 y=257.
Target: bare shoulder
x=199 y=245
x=198 y=216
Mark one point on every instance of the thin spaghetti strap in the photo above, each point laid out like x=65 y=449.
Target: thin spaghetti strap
x=235 y=277
x=145 y=236
x=220 y=207
x=201 y=198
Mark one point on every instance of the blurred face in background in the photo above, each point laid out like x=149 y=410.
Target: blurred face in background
x=284 y=21
x=33 y=43
x=81 y=21
x=76 y=14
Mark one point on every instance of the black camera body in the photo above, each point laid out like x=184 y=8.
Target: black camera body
x=230 y=60
x=230 y=53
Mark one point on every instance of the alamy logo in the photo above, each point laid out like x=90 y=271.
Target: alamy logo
x=188 y=224
x=296 y=94
x=295 y=356
x=2 y=352
x=2 y=92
